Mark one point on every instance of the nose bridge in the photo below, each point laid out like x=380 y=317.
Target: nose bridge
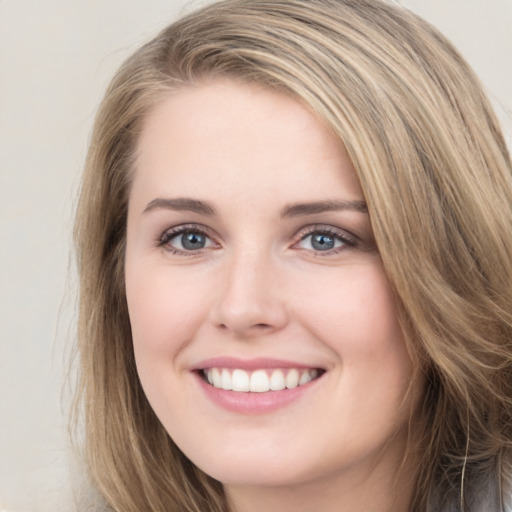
x=250 y=300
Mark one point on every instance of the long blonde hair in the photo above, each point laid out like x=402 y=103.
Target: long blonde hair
x=437 y=179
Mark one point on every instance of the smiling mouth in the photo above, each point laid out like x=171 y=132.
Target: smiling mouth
x=261 y=380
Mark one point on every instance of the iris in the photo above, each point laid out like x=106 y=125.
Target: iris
x=193 y=241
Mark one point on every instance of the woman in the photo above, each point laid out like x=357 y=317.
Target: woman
x=294 y=241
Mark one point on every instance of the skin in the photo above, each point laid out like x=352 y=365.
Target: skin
x=260 y=288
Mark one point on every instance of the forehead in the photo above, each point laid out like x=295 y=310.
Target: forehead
x=200 y=138
x=256 y=113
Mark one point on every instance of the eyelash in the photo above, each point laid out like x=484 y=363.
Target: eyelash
x=348 y=241
x=172 y=233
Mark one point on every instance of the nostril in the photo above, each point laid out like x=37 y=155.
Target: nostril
x=246 y=331
x=254 y=326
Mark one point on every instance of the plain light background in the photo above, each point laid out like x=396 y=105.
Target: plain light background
x=56 y=58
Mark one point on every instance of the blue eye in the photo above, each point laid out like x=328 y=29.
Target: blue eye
x=185 y=240
x=192 y=241
x=322 y=240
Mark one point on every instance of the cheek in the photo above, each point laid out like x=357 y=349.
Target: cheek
x=354 y=308
x=162 y=308
x=357 y=319
x=163 y=318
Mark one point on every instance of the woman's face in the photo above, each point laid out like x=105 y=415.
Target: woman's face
x=251 y=264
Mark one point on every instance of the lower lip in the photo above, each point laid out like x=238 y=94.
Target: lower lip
x=254 y=403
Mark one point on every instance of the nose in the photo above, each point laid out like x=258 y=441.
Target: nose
x=250 y=302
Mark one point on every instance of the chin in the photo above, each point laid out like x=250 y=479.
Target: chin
x=261 y=475
x=266 y=468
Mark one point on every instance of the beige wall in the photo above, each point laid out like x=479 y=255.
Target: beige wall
x=56 y=57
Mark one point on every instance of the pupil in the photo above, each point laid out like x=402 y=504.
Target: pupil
x=322 y=242
x=193 y=241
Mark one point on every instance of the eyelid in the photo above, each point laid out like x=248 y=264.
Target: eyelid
x=349 y=239
x=170 y=233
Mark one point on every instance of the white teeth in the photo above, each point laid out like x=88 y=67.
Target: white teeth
x=240 y=380
x=216 y=377
x=259 y=381
x=226 y=380
x=308 y=377
x=277 y=382
x=292 y=379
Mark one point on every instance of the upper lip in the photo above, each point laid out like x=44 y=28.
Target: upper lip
x=250 y=364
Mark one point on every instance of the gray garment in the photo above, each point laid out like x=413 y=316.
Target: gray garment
x=486 y=501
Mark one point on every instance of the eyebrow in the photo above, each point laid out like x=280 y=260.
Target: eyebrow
x=298 y=209
x=293 y=210
x=181 y=204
